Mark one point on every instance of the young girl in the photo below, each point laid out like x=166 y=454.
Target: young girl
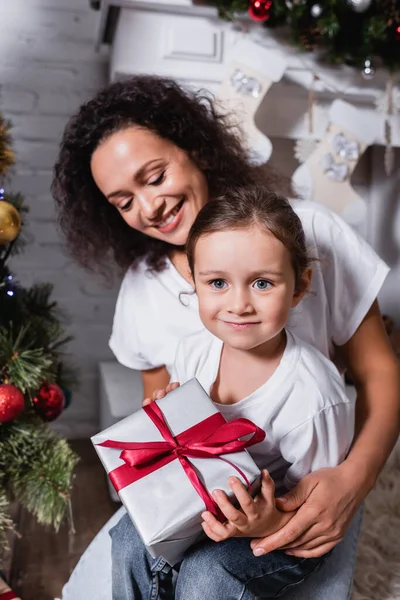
x=250 y=267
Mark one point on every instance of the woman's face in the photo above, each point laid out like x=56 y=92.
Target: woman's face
x=153 y=184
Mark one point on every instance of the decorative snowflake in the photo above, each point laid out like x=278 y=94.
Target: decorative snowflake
x=382 y=101
x=304 y=148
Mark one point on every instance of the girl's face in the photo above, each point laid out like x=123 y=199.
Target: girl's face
x=245 y=284
x=155 y=186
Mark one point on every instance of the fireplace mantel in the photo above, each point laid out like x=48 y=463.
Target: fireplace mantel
x=189 y=42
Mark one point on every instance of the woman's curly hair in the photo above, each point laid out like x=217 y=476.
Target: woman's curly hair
x=93 y=228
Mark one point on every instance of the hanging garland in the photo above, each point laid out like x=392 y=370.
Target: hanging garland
x=360 y=33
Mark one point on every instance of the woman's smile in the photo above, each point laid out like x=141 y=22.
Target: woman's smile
x=171 y=219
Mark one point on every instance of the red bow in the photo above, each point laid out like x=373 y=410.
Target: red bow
x=8 y=596
x=143 y=458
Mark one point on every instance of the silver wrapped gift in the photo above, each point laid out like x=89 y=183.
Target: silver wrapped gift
x=159 y=493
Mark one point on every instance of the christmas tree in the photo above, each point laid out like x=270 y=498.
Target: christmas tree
x=35 y=465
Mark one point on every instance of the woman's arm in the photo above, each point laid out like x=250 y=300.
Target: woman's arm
x=154 y=379
x=376 y=374
x=328 y=499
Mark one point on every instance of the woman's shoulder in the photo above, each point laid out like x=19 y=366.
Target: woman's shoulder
x=328 y=234
x=137 y=289
x=311 y=213
x=137 y=273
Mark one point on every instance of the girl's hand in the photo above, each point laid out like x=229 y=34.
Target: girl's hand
x=327 y=501
x=158 y=394
x=257 y=514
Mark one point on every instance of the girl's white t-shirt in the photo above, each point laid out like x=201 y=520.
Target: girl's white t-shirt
x=303 y=408
x=155 y=311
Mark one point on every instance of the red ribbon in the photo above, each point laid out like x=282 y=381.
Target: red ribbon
x=143 y=458
x=8 y=596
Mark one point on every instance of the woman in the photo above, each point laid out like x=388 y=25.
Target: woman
x=136 y=165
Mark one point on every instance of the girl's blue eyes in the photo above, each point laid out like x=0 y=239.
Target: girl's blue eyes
x=218 y=284
x=260 y=284
x=157 y=181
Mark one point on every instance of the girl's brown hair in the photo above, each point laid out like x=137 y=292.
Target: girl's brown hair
x=240 y=208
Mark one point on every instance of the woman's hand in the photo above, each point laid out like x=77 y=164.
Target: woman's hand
x=258 y=516
x=327 y=501
x=158 y=394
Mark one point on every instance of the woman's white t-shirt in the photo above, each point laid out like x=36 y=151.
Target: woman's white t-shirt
x=155 y=311
x=303 y=408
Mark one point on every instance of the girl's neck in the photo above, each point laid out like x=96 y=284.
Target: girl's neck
x=242 y=372
x=180 y=262
x=269 y=351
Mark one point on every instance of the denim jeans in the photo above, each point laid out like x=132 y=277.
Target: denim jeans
x=226 y=570
x=91 y=578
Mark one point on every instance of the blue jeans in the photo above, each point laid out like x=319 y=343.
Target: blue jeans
x=210 y=571
x=91 y=578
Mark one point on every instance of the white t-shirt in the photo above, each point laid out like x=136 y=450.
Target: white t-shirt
x=303 y=407
x=152 y=315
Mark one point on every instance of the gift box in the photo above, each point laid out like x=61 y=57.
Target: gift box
x=165 y=460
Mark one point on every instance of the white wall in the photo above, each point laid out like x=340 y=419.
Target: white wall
x=48 y=67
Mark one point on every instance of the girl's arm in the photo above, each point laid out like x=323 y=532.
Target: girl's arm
x=328 y=499
x=154 y=379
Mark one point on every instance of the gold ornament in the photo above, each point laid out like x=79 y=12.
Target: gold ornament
x=10 y=222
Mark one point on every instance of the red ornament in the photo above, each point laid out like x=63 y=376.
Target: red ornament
x=260 y=10
x=12 y=402
x=397 y=34
x=49 y=401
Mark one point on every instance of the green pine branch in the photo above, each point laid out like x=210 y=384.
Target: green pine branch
x=45 y=318
x=37 y=468
x=6 y=524
x=7 y=157
x=23 y=366
x=32 y=354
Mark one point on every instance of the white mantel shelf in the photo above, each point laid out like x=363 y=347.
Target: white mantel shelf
x=189 y=42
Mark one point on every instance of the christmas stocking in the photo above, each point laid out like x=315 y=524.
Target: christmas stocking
x=250 y=73
x=325 y=176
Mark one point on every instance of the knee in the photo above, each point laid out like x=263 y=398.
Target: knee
x=125 y=541
x=200 y=575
